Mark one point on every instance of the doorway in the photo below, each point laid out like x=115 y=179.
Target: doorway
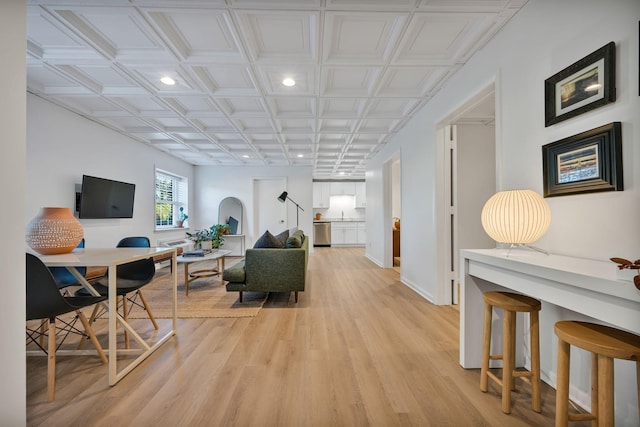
x=269 y=213
x=467 y=147
x=396 y=212
x=392 y=201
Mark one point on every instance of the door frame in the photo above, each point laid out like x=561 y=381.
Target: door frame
x=447 y=270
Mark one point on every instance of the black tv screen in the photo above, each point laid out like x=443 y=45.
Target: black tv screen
x=105 y=198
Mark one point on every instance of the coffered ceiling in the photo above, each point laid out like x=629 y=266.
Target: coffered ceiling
x=362 y=68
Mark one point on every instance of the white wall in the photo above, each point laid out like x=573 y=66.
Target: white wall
x=214 y=183
x=542 y=39
x=418 y=250
x=374 y=214
x=62 y=146
x=534 y=45
x=339 y=205
x=12 y=173
x=475 y=183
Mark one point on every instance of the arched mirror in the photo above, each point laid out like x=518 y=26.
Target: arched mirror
x=230 y=212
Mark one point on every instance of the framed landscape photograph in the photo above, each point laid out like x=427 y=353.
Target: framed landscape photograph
x=585 y=163
x=582 y=86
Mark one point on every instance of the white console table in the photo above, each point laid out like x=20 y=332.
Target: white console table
x=569 y=288
x=584 y=286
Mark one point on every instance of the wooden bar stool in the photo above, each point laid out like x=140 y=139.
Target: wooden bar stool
x=605 y=344
x=511 y=303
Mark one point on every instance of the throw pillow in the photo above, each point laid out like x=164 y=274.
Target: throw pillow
x=282 y=237
x=268 y=240
x=295 y=240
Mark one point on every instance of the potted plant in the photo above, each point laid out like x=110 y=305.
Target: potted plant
x=182 y=217
x=209 y=238
x=626 y=264
x=396 y=222
x=198 y=237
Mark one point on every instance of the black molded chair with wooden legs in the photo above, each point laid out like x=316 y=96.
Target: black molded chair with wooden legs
x=63 y=277
x=45 y=302
x=605 y=344
x=131 y=278
x=511 y=303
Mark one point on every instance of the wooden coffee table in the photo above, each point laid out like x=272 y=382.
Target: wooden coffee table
x=217 y=255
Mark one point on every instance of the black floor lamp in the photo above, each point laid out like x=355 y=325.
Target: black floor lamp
x=283 y=197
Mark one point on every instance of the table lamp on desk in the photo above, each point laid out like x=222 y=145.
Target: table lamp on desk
x=516 y=217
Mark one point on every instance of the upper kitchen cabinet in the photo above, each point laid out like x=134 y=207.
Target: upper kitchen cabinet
x=321 y=194
x=361 y=195
x=343 y=188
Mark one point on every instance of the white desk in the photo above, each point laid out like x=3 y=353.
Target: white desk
x=112 y=257
x=584 y=286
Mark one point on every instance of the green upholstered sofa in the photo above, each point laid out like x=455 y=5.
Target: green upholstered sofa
x=271 y=269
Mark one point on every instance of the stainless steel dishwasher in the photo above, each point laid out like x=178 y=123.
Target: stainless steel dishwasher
x=322 y=233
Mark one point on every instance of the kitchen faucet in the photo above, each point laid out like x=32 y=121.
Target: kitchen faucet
x=342 y=216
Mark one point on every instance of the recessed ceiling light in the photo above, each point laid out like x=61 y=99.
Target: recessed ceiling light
x=168 y=81
x=246 y=156
x=300 y=155
x=289 y=82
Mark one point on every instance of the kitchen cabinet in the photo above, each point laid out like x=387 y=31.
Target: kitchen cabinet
x=337 y=233
x=347 y=233
x=361 y=195
x=321 y=194
x=343 y=188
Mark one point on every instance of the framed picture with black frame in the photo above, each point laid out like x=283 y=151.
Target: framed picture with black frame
x=584 y=163
x=587 y=84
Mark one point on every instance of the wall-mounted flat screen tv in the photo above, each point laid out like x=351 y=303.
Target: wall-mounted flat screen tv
x=105 y=198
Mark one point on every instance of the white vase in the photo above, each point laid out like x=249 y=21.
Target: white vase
x=206 y=245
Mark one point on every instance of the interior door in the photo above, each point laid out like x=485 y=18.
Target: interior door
x=269 y=213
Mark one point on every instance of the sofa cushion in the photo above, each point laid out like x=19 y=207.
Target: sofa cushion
x=235 y=273
x=268 y=240
x=282 y=237
x=295 y=240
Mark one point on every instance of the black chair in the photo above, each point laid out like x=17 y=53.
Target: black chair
x=130 y=278
x=46 y=303
x=63 y=277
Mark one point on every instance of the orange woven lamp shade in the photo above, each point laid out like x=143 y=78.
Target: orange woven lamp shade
x=516 y=216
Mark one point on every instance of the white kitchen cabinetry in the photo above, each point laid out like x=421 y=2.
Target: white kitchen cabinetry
x=343 y=188
x=321 y=194
x=348 y=233
x=361 y=195
x=362 y=233
x=337 y=233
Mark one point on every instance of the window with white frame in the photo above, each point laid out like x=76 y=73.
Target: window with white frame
x=172 y=193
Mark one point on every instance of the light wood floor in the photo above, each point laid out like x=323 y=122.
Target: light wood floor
x=359 y=349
